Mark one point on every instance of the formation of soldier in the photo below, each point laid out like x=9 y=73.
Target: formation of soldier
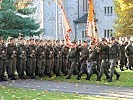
x=31 y=58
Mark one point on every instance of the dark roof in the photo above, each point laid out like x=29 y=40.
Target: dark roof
x=82 y=19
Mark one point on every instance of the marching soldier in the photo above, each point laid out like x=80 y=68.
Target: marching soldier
x=58 y=58
x=31 y=59
x=92 y=62
x=41 y=58
x=3 y=60
x=104 y=57
x=114 y=56
x=123 y=56
x=49 y=58
x=74 y=58
x=21 y=61
x=129 y=53
x=83 y=58
x=65 y=51
x=12 y=59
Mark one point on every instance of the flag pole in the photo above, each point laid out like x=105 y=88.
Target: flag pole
x=56 y=19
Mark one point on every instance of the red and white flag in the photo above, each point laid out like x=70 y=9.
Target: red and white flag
x=66 y=25
x=91 y=24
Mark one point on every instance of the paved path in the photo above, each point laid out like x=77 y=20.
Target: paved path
x=81 y=88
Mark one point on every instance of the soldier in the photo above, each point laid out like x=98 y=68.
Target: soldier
x=58 y=58
x=37 y=44
x=41 y=58
x=31 y=59
x=74 y=58
x=129 y=53
x=92 y=62
x=21 y=61
x=114 y=56
x=83 y=58
x=123 y=56
x=104 y=57
x=12 y=59
x=3 y=60
x=65 y=51
x=49 y=58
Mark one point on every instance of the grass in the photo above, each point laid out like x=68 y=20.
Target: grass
x=11 y=93
x=126 y=79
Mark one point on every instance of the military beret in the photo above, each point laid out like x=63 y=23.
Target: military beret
x=85 y=41
x=113 y=38
x=103 y=39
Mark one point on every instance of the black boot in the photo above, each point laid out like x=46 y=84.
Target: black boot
x=79 y=77
x=117 y=77
x=68 y=77
x=13 y=77
x=20 y=76
x=1 y=79
x=9 y=76
x=98 y=78
x=4 y=78
x=88 y=77
x=110 y=79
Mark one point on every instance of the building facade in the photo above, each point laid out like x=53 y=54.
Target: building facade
x=76 y=12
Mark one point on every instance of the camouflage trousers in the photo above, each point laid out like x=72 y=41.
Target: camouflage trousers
x=11 y=66
x=2 y=66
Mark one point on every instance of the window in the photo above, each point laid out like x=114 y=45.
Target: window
x=83 y=34
x=85 y=5
x=111 y=10
x=104 y=33
x=108 y=10
x=108 y=33
x=104 y=10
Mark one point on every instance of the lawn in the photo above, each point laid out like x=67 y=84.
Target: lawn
x=11 y=93
x=126 y=79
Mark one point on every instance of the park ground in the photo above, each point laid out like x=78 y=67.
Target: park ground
x=58 y=88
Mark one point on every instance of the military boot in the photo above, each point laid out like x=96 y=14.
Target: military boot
x=1 y=79
x=88 y=77
x=110 y=79
x=4 y=78
x=79 y=77
x=20 y=76
x=98 y=78
x=68 y=77
x=117 y=77
x=13 y=77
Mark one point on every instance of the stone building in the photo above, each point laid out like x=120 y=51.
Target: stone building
x=76 y=11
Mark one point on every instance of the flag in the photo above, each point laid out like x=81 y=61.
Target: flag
x=91 y=31
x=66 y=25
x=0 y=3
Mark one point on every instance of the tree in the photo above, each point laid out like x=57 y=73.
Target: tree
x=14 y=21
x=124 y=22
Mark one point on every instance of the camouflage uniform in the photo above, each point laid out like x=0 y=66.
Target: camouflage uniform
x=74 y=58
x=41 y=60
x=31 y=61
x=3 y=61
x=21 y=61
x=129 y=53
x=50 y=60
x=114 y=56
x=104 y=55
x=58 y=60
x=65 y=51
x=12 y=60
